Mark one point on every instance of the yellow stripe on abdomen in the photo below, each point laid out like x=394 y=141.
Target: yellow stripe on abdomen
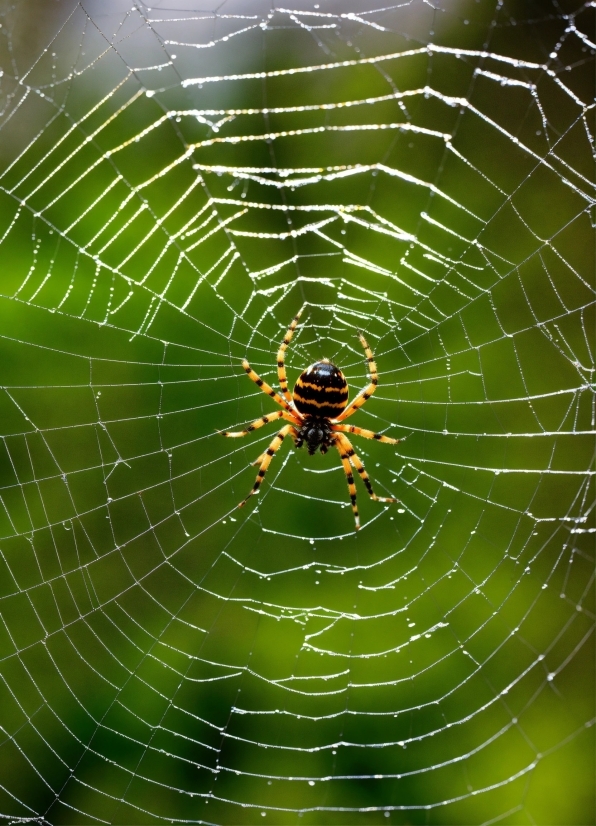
x=321 y=391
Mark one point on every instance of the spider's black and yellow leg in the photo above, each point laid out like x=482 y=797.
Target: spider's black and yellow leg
x=368 y=391
x=270 y=417
x=259 y=459
x=266 y=459
x=345 y=460
x=281 y=358
x=265 y=387
x=367 y=434
x=357 y=464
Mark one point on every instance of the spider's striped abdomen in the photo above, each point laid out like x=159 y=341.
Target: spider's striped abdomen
x=321 y=391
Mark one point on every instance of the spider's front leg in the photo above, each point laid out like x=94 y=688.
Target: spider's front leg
x=356 y=462
x=367 y=434
x=267 y=456
x=270 y=417
x=345 y=460
x=261 y=456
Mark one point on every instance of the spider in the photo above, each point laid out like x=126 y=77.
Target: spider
x=315 y=412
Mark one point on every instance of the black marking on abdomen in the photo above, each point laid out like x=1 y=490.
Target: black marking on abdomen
x=321 y=391
x=326 y=395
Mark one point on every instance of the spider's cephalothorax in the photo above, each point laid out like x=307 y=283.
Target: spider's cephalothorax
x=315 y=413
x=316 y=433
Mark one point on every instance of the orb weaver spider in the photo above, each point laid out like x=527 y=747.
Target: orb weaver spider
x=315 y=412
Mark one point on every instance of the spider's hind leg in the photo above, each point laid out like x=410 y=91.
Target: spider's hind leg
x=281 y=359
x=362 y=397
x=265 y=387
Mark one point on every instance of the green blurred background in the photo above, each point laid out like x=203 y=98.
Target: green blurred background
x=166 y=657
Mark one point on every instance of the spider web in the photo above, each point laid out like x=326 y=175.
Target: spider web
x=176 y=182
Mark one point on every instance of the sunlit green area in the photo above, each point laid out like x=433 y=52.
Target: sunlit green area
x=175 y=184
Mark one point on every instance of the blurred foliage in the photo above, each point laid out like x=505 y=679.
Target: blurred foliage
x=158 y=659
